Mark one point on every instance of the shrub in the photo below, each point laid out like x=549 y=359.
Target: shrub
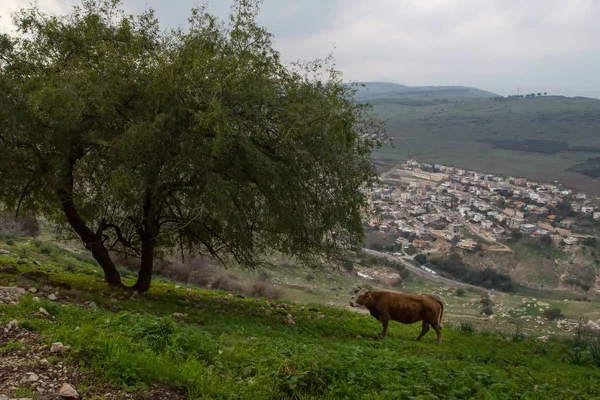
x=460 y=292
x=487 y=310
x=348 y=266
x=466 y=327
x=46 y=248
x=552 y=314
x=310 y=277
x=421 y=259
x=486 y=301
x=11 y=347
x=595 y=351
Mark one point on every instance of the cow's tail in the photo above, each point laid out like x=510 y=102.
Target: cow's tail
x=441 y=303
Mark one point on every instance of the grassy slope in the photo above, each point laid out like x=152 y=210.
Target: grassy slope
x=450 y=134
x=231 y=347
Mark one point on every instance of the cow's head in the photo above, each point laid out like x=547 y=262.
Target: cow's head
x=361 y=298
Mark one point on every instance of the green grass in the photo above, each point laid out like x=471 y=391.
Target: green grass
x=450 y=133
x=242 y=348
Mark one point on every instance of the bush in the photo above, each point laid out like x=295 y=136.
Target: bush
x=486 y=301
x=421 y=259
x=310 y=277
x=466 y=327
x=487 y=310
x=552 y=314
x=348 y=266
x=595 y=351
x=460 y=292
x=46 y=248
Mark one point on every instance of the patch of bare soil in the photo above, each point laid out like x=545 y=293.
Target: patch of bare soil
x=28 y=365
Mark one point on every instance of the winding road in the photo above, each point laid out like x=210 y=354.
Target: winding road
x=423 y=274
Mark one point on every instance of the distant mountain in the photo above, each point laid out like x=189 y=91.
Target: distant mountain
x=393 y=93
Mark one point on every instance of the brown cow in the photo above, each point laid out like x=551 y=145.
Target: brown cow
x=402 y=307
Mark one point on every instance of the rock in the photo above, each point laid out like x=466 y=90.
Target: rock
x=3 y=397
x=542 y=339
x=179 y=315
x=32 y=290
x=177 y=286
x=4 y=252
x=44 y=312
x=37 y=299
x=36 y=262
x=592 y=327
x=68 y=392
x=58 y=347
x=12 y=324
x=32 y=377
x=290 y=322
x=52 y=297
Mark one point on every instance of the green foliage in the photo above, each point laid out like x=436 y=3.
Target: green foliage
x=531 y=145
x=24 y=392
x=552 y=314
x=11 y=347
x=487 y=310
x=141 y=140
x=486 y=301
x=589 y=167
x=488 y=278
x=546 y=240
x=460 y=292
x=595 y=351
x=421 y=259
x=466 y=327
x=230 y=347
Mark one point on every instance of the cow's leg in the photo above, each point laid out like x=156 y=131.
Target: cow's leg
x=384 y=324
x=424 y=330
x=438 y=330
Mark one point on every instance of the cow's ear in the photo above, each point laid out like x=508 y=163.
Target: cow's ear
x=368 y=295
x=356 y=290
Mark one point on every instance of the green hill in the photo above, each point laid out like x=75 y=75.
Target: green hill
x=393 y=93
x=543 y=138
x=179 y=341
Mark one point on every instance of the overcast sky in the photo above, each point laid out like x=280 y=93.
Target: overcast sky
x=498 y=45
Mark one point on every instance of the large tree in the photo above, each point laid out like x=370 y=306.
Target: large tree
x=141 y=141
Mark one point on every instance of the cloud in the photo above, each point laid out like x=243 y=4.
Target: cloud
x=539 y=45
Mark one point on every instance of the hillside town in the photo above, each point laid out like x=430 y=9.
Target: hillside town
x=428 y=206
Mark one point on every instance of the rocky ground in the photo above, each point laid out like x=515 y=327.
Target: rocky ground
x=32 y=369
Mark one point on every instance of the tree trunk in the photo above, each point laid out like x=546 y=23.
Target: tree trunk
x=93 y=241
x=148 y=234
x=147 y=263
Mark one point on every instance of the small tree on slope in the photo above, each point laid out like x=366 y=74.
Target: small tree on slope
x=141 y=141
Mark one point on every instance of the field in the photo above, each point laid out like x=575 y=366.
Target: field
x=181 y=341
x=452 y=134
